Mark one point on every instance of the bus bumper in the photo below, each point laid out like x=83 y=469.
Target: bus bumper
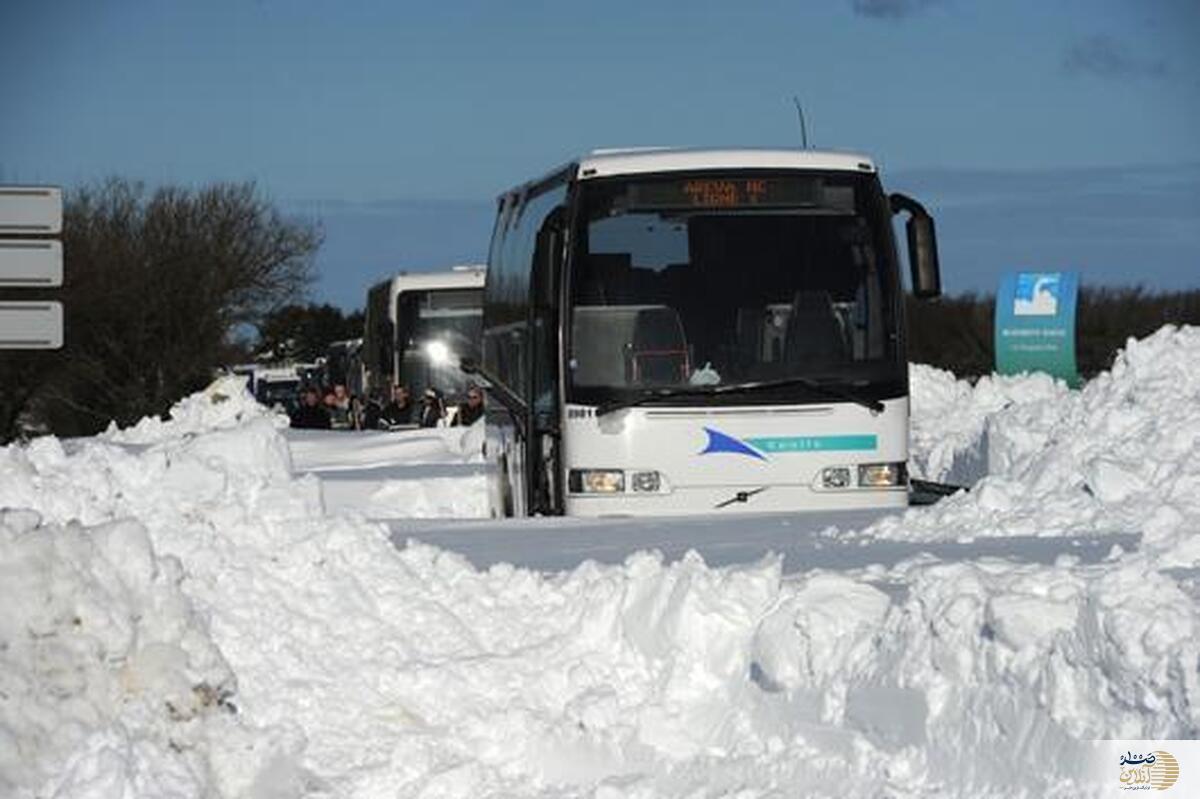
x=734 y=499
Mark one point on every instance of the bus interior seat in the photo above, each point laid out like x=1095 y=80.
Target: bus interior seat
x=749 y=331
x=659 y=353
x=618 y=345
x=606 y=276
x=814 y=335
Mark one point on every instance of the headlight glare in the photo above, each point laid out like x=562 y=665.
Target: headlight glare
x=596 y=481
x=882 y=475
x=438 y=352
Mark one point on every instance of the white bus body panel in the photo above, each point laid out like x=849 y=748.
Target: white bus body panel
x=707 y=456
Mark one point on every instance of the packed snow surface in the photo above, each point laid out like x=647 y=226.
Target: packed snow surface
x=434 y=473
x=187 y=616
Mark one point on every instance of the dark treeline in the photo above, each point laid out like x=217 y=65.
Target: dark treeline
x=154 y=285
x=955 y=333
x=304 y=332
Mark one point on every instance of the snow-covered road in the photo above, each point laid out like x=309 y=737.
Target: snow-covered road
x=803 y=541
x=416 y=473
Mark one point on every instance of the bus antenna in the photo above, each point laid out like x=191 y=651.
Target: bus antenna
x=803 y=127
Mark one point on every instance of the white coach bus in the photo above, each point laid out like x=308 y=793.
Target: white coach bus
x=414 y=323
x=698 y=331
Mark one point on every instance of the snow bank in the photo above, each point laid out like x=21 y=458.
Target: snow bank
x=948 y=436
x=186 y=621
x=110 y=684
x=1120 y=455
x=226 y=403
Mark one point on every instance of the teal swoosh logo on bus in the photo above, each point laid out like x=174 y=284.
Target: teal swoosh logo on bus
x=723 y=442
x=760 y=446
x=842 y=443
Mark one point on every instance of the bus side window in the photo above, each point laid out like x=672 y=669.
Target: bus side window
x=547 y=260
x=511 y=286
x=506 y=291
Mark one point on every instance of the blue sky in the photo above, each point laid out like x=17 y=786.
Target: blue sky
x=1059 y=133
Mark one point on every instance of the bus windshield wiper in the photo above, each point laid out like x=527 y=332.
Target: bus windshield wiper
x=824 y=389
x=815 y=386
x=650 y=395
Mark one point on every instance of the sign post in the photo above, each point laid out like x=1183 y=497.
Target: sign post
x=32 y=261
x=1035 y=324
x=31 y=210
x=31 y=325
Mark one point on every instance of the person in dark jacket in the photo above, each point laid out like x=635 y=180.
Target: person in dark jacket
x=372 y=414
x=432 y=408
x=398 y=412
x=470 y=411
x=311 y=415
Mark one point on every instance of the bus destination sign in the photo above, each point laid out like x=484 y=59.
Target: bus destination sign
x=720 y=192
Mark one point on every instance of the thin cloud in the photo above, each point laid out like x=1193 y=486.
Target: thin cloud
x=1105 y=57
x=890 y=9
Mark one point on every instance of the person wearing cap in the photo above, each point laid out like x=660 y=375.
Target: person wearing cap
x=432 y=408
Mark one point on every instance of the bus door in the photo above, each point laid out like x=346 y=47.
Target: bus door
x=543 y=454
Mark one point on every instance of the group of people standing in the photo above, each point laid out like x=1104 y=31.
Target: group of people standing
x=337 y=409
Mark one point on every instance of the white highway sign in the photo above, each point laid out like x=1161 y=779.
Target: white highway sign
x=32 y=210
x=31 y=325
x=31 y=263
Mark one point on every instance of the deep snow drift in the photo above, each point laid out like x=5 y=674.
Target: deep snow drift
x=184 y=619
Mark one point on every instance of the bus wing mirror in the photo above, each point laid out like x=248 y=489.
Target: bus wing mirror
x=922 y=247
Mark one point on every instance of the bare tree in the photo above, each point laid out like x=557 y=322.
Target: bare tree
x=155 y=284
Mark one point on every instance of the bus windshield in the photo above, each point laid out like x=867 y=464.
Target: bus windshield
x=435 y=328
x=721 y=279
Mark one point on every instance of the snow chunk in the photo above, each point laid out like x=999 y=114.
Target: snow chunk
x=225 y=404
x=948 y=436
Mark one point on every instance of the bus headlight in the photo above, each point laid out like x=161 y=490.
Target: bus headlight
x=881 y=475
x=596 y=481
x=647 y=482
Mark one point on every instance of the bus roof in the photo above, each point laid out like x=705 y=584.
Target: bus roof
x=641 y=160
x=606 y=163
x=460 y=277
